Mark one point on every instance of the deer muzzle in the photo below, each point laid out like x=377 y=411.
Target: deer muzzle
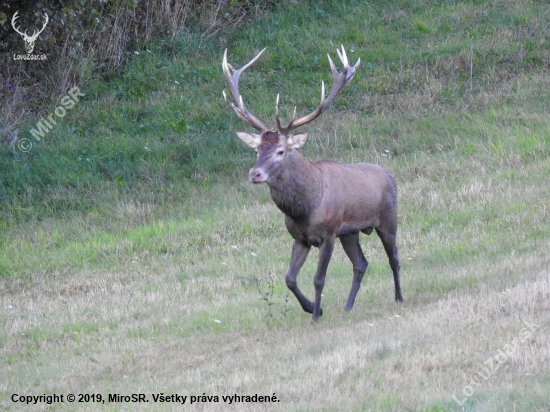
x=257 y=175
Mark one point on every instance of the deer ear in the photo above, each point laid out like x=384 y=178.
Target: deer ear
x=252 y=140
x=297 y=141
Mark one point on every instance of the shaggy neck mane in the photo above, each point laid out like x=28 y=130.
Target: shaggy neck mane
x=297 y=188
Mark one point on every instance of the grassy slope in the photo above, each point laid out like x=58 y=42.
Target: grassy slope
x=123 y=271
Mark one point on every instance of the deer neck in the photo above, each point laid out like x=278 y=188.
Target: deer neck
x=296 y=188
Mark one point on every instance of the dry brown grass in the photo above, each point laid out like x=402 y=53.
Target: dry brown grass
x=398 y=359
x=189 y=321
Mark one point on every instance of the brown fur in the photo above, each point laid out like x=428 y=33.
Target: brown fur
x=325 y=200
x=270 y=138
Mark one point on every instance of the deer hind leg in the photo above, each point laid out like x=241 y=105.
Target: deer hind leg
x=388 y=240
x=299 y=256
x=351 y=246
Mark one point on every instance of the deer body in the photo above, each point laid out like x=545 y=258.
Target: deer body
x=322 y=200
x=322 y=197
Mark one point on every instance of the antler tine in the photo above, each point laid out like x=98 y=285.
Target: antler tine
x=332 y=66
x=343 y=57
x=232 y=76
x=277 y=118
x=15 y=17
x=36 y=34
x=339 y=80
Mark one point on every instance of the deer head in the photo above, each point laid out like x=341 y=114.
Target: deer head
x=29 y=40
x=272 y=146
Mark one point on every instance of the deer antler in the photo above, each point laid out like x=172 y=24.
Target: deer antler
x=15 y=16
x=232 y=76
x=25 y=35
x=339 y=81
x=37 y=33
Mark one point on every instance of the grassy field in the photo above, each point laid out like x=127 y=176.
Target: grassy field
x=137 y=259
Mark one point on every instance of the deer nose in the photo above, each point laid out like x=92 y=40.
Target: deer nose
x=257 y=175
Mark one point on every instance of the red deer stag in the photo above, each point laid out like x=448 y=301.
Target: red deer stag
x=321 y=200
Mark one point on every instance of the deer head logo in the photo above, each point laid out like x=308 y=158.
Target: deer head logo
x=29 y=40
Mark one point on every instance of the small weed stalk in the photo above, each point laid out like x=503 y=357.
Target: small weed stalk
x=267 y=294
x=286 y=308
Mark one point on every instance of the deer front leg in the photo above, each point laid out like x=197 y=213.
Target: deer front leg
x=299 y=256
x=325 y=253
x=351 y=246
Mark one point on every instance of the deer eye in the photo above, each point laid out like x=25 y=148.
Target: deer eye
x=280 y=152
